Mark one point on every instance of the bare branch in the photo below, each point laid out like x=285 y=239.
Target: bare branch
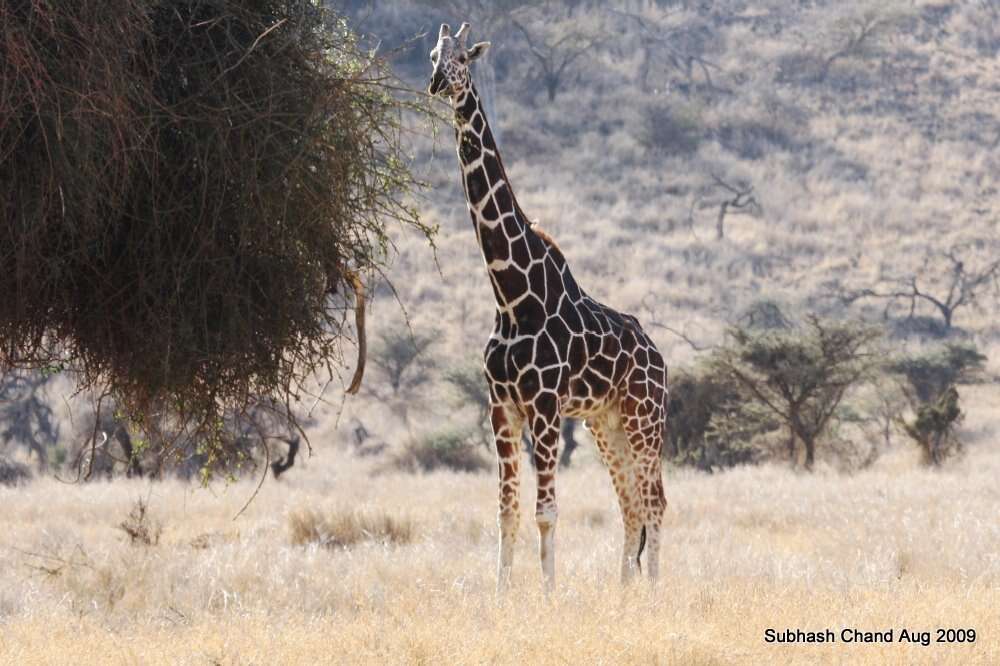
x=743 y=198
x=653 y=320
x=961 y=287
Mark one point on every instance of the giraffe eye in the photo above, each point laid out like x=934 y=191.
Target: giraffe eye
x=463 y=59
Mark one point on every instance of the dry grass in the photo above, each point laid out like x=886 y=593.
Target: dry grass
x=894 y=546
x=347 y=528
x=141 y=528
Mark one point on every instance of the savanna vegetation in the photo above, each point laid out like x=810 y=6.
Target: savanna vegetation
x=799 y=201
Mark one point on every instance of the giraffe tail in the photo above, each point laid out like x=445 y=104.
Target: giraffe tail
x=642 y=546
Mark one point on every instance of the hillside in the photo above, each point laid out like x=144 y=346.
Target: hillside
x=868 y=133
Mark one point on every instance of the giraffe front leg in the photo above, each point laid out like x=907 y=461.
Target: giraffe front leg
x=545 y=437
x=507 y=425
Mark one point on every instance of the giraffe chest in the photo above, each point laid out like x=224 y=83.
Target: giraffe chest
x=580 y=368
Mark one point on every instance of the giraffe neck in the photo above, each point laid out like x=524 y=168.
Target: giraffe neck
x=527 y=273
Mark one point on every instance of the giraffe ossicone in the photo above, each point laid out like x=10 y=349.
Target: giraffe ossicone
x=554 y=352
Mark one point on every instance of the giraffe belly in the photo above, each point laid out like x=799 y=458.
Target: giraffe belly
x=583 y=407
x=587 y=393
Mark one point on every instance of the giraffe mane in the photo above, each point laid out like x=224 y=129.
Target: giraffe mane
x=545 y=236
x=531 y=224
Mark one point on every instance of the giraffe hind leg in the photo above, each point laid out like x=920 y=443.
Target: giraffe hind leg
x=613 y=446
x=645 y=435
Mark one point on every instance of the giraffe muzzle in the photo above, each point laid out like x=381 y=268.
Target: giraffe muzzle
x=437 y=84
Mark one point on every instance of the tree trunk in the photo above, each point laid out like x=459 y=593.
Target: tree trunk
x=569 y=441
x=947 y=313
x=810 y=444
x=552 y=86
x=720 y=230
x=43 y=456
x=133 y=468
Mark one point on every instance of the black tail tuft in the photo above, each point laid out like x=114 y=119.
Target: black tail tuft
x=642 y=546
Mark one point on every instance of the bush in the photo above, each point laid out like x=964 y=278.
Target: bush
x=751 y=139
x=445 y=450
x=707 y=426
x=186 y=198
x=764 y=315
x=669 y=130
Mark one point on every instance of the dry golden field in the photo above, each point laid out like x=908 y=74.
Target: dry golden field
x=896 y=546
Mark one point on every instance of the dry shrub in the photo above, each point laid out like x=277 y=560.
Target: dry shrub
x=444 y=450
x=343 y=528
x=188 y=190
x=13 y=473
x=140 y=527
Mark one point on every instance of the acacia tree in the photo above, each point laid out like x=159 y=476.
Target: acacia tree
x=401 y=358
x=800 y=375
x=929 y=383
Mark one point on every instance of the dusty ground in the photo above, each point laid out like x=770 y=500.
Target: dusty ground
x=894 y=547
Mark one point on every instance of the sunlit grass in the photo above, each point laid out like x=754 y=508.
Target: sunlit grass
x=411 y=578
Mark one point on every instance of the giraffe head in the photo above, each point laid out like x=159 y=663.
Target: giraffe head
x=451 y=59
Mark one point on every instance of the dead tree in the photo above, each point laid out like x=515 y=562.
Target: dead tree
x=960 y=286
x=855 y=35
x=556 y=45
x=741 y=197
x=664 y=45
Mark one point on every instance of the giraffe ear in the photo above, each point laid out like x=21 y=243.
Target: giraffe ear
x=478 y=50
